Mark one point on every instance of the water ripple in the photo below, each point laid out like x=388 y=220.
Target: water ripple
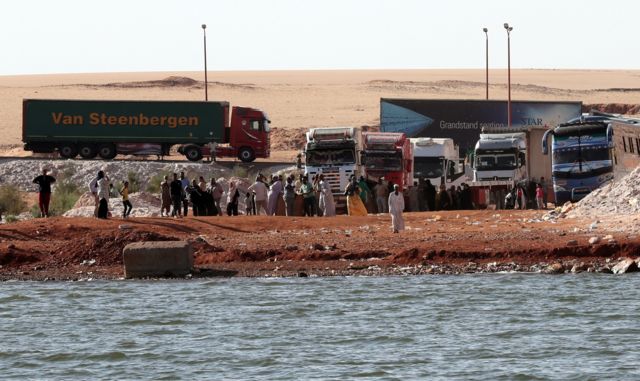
x=475 y=327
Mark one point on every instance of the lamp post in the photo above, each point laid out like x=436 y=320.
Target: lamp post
x=486 y=50
x=206 y=87
x=508 y=29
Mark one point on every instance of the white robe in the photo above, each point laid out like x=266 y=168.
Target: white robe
x=274 y=192
x=396 y=206
x=326 y=200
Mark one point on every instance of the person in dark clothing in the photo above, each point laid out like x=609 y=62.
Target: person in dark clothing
x=232 y=199
x=195 y=197
x=430 y=192
x=176 y=196
x=422 y=195
x=444 y=200
x=467 y=198
x=208 y=203
x=44 y=182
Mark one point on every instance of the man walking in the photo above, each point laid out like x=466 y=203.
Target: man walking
x=396 y=206
x=44 y=182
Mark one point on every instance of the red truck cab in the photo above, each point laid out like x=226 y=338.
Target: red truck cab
x=246 y=137
x=388 y=155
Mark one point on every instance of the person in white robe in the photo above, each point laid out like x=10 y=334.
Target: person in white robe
x=275 y=192
x=326 y=198
x=396 y=206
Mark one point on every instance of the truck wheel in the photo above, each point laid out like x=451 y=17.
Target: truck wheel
x=107 y=151
x=87 y=151
x=193 y=153
x=246 y=155
x=68 y=150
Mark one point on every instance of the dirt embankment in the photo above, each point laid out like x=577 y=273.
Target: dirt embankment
x=442 y=242
x=613 y=108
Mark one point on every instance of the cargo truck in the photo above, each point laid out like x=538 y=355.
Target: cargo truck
x=106 y=128
x=334 y=152
x=388 y=155
x=499 y=163
x=437 y=160
x=463 y=119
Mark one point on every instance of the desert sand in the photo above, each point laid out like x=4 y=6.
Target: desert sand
x=435 y=242
x=298 y=100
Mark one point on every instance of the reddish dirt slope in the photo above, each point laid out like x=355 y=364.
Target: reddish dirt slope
x=264 y=246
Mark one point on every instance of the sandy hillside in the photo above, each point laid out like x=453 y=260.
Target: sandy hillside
x=297 y=100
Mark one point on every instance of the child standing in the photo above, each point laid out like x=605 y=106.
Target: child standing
x=540 y=197
x=248 y=202
x=125 y=200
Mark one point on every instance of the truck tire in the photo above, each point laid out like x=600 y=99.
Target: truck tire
x=192 y=153
x=107 y=151
x=87 y=151
x=246 y=154
x=68 y=150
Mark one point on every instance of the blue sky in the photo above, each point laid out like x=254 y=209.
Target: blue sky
x=75 y=36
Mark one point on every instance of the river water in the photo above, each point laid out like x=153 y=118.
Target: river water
x=471 y=327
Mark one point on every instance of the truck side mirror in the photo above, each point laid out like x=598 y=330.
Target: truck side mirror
x=522 y=159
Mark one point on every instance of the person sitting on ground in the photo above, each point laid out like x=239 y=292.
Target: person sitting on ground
x=44 y=182
x=124 y=192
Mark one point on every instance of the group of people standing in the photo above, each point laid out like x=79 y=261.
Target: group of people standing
x=532 y=194
x=176 y=196
x=263 y=197
x=101 y=188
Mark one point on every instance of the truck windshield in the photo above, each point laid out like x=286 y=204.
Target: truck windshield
x=497 y=162
x=427 y=167
x=339 y=156
x=382 y=161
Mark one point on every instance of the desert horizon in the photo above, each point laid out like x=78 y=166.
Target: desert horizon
x=296 y=100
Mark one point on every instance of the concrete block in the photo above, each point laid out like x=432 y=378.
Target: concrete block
x=157 y=258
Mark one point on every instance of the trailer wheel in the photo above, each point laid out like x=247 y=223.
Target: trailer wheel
x=192 y=153
x=246 y=154
x=87 y=151
x=107 y=151
x=68 y=150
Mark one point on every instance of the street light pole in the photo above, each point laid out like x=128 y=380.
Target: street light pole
x=206 y=87
x=508 y=29
x=486 y=34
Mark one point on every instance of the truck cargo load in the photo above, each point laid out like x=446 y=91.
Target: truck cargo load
x=109 y=127
x=463 y=120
